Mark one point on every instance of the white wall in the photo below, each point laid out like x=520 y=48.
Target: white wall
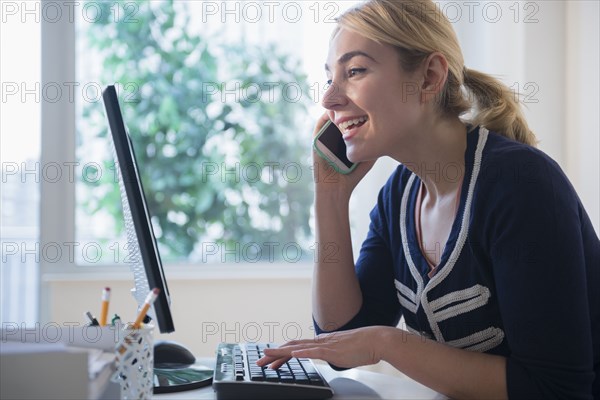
x=582 y=104
x=205 y=311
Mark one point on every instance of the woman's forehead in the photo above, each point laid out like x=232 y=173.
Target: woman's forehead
x=347 y=41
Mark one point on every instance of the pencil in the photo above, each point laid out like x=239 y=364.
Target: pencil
x=147 y=303
x=105 y=301
x=93 y=321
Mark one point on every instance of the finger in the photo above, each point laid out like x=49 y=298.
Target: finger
x=289 y=351
x=272 y=362
x=277 y=364
x=277 y=356
x=280 y=351
x=320 y=122
x=264 y=361
x=320 y=353
x=286 y=349
x=272 y=354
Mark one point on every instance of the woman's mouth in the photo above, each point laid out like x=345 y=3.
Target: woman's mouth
x=349 y=127
x=351 y=123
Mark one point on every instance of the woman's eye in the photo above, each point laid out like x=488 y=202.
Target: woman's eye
x=355 y=71
x=328 y=83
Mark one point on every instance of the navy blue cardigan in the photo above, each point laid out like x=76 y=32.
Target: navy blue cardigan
x=519 y=275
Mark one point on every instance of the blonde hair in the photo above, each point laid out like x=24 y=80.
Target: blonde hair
x=417 y=28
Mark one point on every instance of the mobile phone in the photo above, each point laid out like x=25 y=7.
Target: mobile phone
x=330 y=145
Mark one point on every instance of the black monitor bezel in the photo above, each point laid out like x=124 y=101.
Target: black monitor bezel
x=139 y=209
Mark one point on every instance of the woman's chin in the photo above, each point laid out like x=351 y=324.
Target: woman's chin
x=351 y=153
x=354 y=155
x=352 y=158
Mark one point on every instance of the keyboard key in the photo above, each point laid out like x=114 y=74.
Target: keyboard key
x=257 y=378
x=315 y=379
x=256 y=372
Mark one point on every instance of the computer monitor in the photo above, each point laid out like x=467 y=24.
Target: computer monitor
x=172 y=368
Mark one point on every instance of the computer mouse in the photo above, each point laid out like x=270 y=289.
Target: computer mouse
x=169 y=354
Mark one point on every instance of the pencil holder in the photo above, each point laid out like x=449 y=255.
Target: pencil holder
x=135 y=362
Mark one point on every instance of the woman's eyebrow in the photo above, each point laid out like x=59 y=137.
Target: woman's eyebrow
x=350 y=55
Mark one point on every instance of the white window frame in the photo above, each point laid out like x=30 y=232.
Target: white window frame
x=57 y=199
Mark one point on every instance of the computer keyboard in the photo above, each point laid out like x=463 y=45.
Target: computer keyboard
x=237 y=376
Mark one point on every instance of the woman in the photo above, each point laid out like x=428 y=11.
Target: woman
x=478 y=239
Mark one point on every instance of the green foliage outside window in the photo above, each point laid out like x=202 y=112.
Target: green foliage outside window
x=219 y=167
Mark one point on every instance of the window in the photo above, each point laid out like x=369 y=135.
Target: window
x=215 y=95
x=21 y=167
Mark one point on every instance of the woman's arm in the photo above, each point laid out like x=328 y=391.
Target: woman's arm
x=336 y=292
x=454 y=372
x=540 y=255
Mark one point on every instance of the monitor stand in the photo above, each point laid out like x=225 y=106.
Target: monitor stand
x=176 y=369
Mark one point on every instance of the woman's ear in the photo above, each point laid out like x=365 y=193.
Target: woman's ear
x=435 y=73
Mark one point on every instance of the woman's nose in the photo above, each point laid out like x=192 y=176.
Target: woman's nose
x=334 y=97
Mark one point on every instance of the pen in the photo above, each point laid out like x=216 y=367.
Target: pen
x=93 y=321
x=147 y=303
x=116 y=320
x=105 y=301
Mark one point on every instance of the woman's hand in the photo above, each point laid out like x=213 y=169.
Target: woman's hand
x=327 y=180
x=345 y=349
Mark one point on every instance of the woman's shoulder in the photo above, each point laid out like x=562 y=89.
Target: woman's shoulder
x=508 y=160
x=511 y=168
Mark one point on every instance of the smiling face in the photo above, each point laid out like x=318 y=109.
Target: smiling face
x=372 y=100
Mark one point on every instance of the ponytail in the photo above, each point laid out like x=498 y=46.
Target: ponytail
x=496 y=107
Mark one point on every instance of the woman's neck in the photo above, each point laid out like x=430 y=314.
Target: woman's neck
x=436 y=154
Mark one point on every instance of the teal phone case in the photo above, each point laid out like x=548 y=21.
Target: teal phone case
x=326 y=157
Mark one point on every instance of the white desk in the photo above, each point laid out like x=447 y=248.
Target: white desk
x=350 y=384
